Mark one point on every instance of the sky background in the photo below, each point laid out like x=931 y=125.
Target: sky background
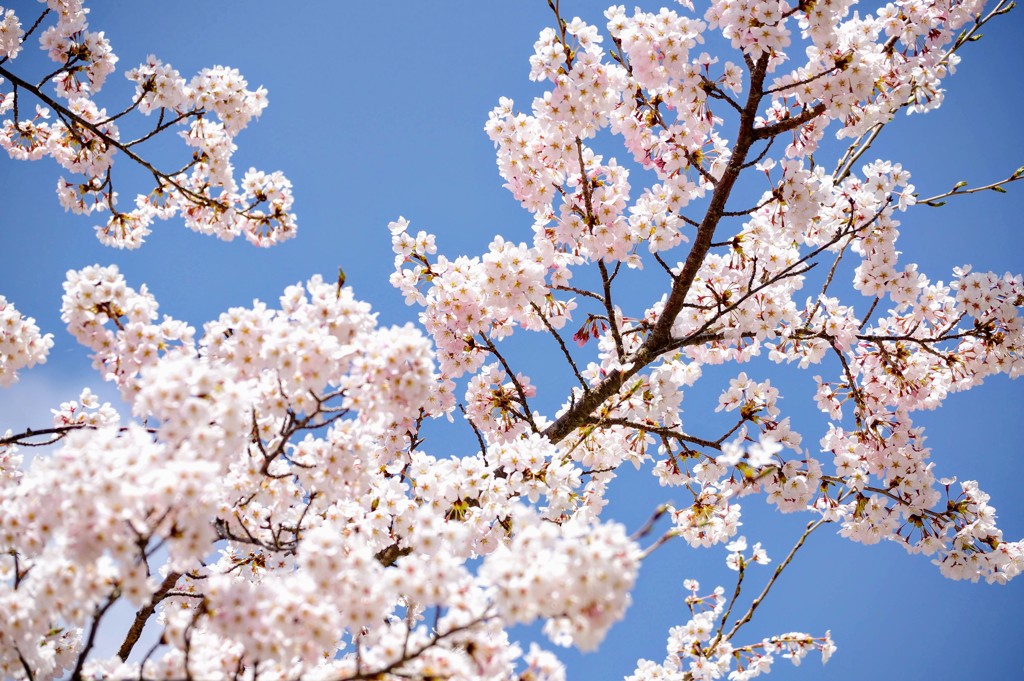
x=377 y=110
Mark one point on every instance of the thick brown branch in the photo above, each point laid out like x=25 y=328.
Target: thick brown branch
x=144 y=613
x=706 y=232
x=661 y=335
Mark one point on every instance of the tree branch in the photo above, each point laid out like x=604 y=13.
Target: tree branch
x=144 y=613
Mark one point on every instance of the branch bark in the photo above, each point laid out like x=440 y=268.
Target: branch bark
x=660 y=337
x=144 y=613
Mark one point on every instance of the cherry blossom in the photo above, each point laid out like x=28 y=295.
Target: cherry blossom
x=212 y=108
x=21 y=344
x=274 y=497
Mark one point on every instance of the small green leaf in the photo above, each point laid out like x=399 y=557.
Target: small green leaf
x=999 y=189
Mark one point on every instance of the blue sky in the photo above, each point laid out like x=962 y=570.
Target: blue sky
x=377 y=110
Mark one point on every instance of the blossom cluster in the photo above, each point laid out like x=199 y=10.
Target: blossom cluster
x=471 y=298
x=702 y=650
x=289 y=434
x=85 y=411
x=21 y=344
x=742 y=300
x=10 y=35
x=577 y=576
x=209 y=111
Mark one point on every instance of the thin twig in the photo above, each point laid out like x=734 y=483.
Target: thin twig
x=811 y=527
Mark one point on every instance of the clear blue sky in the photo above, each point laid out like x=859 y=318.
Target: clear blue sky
x=377 y=110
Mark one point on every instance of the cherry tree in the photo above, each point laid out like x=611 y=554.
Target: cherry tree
x=272 y=500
